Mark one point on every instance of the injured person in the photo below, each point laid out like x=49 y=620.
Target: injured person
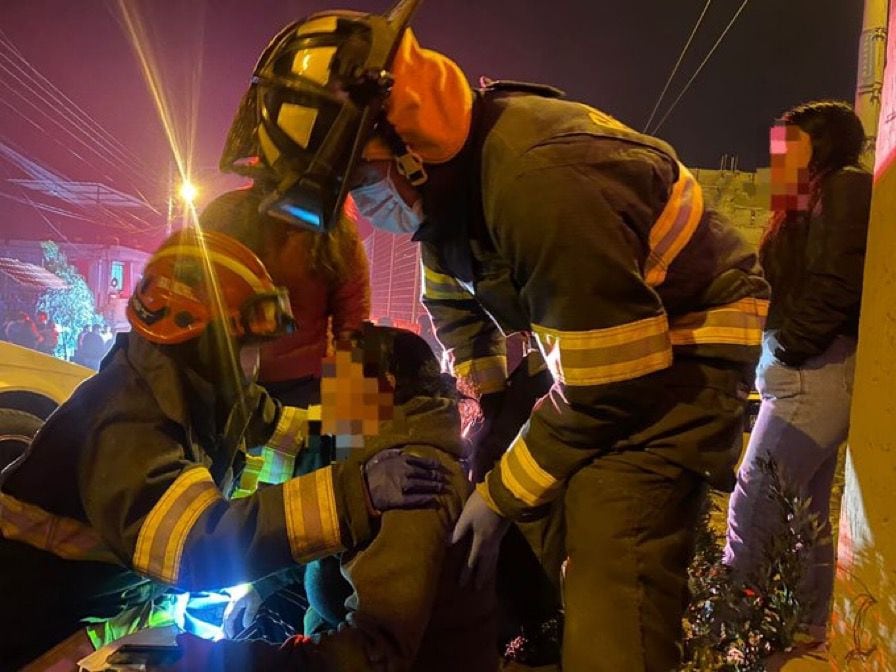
x=392 y=604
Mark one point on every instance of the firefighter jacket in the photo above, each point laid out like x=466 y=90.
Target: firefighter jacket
x=130 y=471
x=815 y=265
x=557 y=219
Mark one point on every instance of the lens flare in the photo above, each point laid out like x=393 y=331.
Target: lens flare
x=135 y=30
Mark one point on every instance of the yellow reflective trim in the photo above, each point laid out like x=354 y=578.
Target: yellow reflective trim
x=483 y=374
x=524 y=477
x=64 y=537
x=313 y=64
x=163 y=533
x=674 y=227
x=289 y=434
x=312 y=523
x=738 y=323
x=197 y=252
x=322 y=24
x=178 y=539
x=278 y=466
x=485 y=493
x=601 y=356
x=297 y=121
x=440 y=287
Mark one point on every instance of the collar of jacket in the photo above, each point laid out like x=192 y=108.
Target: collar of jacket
x=161 y=374
x=430 y=421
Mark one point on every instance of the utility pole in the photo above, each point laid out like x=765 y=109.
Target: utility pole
x=870 y=78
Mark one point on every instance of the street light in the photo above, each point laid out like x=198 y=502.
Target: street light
x=188 y=192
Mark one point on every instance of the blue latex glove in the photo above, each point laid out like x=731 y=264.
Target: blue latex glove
x=399 y=481
x=487 y=528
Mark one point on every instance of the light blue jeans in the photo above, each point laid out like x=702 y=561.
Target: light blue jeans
x=803 y=419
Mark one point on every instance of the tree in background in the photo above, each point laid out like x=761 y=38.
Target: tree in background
x=71 y=308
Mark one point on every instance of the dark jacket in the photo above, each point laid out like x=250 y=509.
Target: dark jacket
x=559 y=220
x=131 y=475
x=815 y=264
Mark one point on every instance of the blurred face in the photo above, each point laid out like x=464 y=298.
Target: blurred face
x=353 y=404
x=791 y=153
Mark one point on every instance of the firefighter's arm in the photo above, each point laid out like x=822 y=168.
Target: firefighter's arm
x=163 y=515
x=473 y=343
x=602 y=329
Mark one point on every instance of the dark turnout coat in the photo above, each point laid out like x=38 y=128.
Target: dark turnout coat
x=130 y=479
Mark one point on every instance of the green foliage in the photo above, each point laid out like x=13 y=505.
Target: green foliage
x=71 y=308
x=733 y=625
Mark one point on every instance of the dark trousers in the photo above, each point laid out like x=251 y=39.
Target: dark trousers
x=626 y=525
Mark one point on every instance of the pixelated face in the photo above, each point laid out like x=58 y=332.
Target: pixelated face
x=352 y=404
x=791 y=152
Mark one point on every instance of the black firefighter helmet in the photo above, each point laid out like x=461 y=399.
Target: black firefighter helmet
x=316 y=96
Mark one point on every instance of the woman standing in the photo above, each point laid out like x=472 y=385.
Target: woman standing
x=813 y=255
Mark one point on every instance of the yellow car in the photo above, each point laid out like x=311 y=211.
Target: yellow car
x=32 y=385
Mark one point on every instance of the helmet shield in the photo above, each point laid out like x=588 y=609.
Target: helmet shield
x=315 y=97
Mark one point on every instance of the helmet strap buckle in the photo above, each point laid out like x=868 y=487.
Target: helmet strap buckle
x=410 y=165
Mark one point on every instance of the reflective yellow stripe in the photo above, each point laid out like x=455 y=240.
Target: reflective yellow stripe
x=601 y=356
x=483 y=375
x=524 y=477
x=312 y=523
x=485 y=493
x=64 y=537
x=738 y=323
x=164 y=532
x=675 y=226
x=205 y=255
x=289 y=434
x=441 y=287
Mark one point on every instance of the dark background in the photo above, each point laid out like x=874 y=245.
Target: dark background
x=613 y=54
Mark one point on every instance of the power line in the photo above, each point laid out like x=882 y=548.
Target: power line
x=78 y=113
x=678 y=64
x=700 y=67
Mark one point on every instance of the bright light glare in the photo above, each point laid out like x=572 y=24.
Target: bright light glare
x=188 y=192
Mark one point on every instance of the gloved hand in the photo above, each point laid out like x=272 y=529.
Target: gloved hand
x=398 y=481
x=241 y=610
x=487 y=529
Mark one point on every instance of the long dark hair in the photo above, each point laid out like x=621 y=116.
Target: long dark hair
x=236 y=214
x=837 y=138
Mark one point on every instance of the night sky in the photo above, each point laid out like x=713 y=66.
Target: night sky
x=613 y=54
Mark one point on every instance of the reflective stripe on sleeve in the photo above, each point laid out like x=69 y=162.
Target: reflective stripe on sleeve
x=674 y=227
x=160 y=543
x=524 y=477
x=738 y=323
x=64 y=537
x=601 y=356
x=483 y=375
x=441 y=287
x=289 y=434
x=312 y=523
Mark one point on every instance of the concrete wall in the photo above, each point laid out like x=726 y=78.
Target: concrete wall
x=864 y=636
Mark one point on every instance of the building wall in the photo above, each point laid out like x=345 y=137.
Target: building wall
x=865 y=601
x=743 y=197
x=95 y=264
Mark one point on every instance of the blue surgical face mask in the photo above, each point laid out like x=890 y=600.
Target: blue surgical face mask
x=383 y=206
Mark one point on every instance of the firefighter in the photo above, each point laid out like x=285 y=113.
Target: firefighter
x=127 y=486
x=540 y=214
